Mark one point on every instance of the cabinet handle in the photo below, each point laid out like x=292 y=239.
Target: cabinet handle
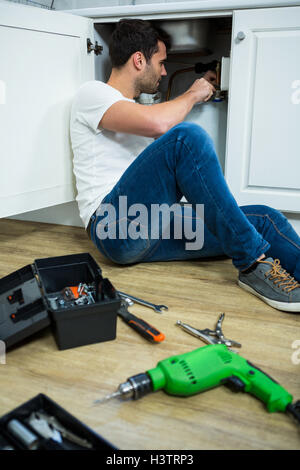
x=241 y=35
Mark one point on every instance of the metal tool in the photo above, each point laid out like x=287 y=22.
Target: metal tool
x=64 y=432
x=157 y=308
x=39 y=424
x=23 y=434
x=128 y=300
x=143 y=328
x=53 y=302
x=125 y=390
x=211 y=336
x=72 y=296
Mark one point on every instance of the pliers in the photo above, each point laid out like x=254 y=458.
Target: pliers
x=211 y=336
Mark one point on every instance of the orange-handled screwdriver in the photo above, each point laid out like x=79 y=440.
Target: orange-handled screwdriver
x=139 y=325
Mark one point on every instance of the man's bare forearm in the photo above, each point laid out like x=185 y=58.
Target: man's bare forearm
x=155 y=120
x=171 y=113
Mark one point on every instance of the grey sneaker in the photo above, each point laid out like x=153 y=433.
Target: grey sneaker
x=272 y=284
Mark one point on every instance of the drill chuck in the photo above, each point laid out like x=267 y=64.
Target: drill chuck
x=136 y=387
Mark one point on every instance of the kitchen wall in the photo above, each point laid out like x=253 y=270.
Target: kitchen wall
x=69 y=4
x=73 y=4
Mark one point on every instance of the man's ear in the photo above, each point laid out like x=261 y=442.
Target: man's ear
x=138 y=60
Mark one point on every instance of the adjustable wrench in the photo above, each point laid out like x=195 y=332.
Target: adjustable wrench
x=157 y=308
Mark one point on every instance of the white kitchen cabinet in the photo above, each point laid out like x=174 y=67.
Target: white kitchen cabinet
x=263 y=152
x=43 y=61
x=249 y=131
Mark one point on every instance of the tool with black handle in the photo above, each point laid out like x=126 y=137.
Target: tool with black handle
x=105 y=288
x=139 y=325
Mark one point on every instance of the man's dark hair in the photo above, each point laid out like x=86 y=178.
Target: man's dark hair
x=132 y=35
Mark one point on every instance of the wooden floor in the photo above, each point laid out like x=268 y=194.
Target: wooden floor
x=196 y=292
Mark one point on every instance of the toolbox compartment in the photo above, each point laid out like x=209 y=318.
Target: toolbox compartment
x=25 y=303
x=43 y=403
x=25 y=313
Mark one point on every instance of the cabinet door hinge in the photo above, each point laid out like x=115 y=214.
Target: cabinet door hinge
x=91 y=47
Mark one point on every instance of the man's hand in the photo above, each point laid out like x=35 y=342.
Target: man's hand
x=202 y=89
x=210 y=76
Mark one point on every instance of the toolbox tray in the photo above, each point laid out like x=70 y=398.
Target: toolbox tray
x=43 y=402
x=25 y=307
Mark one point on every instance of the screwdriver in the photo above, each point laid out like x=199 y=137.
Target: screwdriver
x=105 y=287
x=139 y=325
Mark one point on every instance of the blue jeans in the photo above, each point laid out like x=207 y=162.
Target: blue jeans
x=183 y=162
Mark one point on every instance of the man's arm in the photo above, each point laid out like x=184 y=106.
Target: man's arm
x=155 y=120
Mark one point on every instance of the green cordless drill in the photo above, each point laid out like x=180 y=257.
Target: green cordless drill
x=206 y=368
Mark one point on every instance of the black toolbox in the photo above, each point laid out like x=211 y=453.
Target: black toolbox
x=28 y=302
x=16 y=432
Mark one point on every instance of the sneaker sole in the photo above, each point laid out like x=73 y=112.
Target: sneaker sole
x=287 y=307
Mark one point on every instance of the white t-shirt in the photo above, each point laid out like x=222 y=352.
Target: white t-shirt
x=100 y=156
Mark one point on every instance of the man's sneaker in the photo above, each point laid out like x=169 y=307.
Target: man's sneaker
x=272 y=284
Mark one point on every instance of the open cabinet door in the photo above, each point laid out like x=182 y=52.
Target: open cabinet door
x=263 y=156
x=43 y=61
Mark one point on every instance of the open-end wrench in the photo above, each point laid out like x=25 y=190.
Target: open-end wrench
x=157 y=308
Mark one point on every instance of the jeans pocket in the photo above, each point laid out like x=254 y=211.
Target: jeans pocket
x=122 y=241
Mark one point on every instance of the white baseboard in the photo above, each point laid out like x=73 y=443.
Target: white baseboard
x=64 y=214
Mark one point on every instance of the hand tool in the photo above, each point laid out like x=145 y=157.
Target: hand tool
x=72 y=296
x=129 y=301
x=69 y=293
x=39 y=424
x=55 y=425
x=211 y=336
x=78 y=292
x=30 y=440
x=23 y=434
x=205 y=368
x=139 y=325
x=52 y=302
x=157 y=308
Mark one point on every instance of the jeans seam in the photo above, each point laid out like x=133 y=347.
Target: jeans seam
x=276 y=228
